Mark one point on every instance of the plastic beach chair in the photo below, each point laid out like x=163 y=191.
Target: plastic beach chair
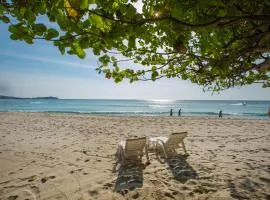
x=170 y=144
x=132 y=151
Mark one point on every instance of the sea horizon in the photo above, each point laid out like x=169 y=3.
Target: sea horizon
x=253 y=109
x=144 y=99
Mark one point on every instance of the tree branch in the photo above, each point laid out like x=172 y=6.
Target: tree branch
x=265 y=66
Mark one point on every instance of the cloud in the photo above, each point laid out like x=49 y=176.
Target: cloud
x=4 y=88
x=47 y=60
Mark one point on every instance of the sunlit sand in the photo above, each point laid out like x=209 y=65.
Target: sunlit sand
x=64 y=156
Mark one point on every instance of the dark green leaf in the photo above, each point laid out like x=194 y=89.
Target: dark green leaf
x=5 y=19
x=30 y=16
x=52 y=33
x=14 y=37
x=39 y=28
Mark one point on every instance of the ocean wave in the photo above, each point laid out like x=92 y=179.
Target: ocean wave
x=110 y=112
x=256 y=114
x=158 y=106
x=236 y=104
x=200 y=113
x=35 y=102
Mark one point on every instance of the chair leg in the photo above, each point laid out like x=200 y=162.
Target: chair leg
x=147 y=156
x=184 y=147
x=164 y=150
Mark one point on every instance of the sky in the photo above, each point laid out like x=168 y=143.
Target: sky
x=40 y=70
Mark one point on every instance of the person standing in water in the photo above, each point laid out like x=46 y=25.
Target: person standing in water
x=268 y=113
x=220 y=114
x=171 y=112
x=179 y=112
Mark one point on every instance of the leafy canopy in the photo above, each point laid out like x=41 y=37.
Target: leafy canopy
x=214 y=43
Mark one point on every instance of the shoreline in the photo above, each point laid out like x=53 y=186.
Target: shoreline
x=225 y=116
x=65 y=156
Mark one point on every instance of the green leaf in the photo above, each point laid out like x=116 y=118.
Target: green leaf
x=84 y=43
x=184 y=76
x=14 y=36
x=123 y=8
x=80 y=52
x=59 y=3
x=22 y=11
x=177 y=10
x=115 y=6
x=1 y=9
x=61 y=49
x=87 y=23
x=39 y=28
x=42 y=7
x=132 y=42
x=222 y=12
x=52 y=33
x=59 y=14
x=139 y=58
x=5 y=19
x=113 y=59
x=84 y=4
x=13 y=29
x=154 y=75
x=30 y=16
x=28 y=39
x=118 y=79
x=131 y=11
x=96 y=21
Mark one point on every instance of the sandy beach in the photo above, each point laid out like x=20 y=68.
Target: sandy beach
x=64 y=156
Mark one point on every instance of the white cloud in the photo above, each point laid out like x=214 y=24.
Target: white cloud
x=45 y=59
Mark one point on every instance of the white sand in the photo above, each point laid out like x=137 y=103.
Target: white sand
x=63 y=156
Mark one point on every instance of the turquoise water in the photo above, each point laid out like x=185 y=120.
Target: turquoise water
x=247 y=109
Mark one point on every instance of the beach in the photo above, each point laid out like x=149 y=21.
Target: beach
x=71 y=156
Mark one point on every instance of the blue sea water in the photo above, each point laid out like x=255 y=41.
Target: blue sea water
x=237 y=109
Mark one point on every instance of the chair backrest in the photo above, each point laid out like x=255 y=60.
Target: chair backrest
x=175 y=139
x=134 y=147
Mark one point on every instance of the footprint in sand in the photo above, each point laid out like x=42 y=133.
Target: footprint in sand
x=108 y=185
x=93 y=192
x=45 y=179
x=266 y=180
x=13 y=197
x=22 y=194
x=185 y=188
x=73 y=171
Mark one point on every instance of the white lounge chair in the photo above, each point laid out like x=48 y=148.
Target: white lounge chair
x=131 y=151
x=169 y=144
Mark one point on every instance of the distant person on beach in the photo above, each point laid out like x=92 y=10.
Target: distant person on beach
x=171 y=112
x=268 y=113
x=179 y=112
x=220 y=114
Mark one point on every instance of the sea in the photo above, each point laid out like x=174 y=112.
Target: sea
x=151 y=107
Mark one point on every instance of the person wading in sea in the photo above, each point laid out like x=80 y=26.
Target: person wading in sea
x=171 y=112
x=220 y=114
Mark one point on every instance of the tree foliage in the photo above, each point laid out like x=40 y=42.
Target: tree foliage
x=214 y=43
